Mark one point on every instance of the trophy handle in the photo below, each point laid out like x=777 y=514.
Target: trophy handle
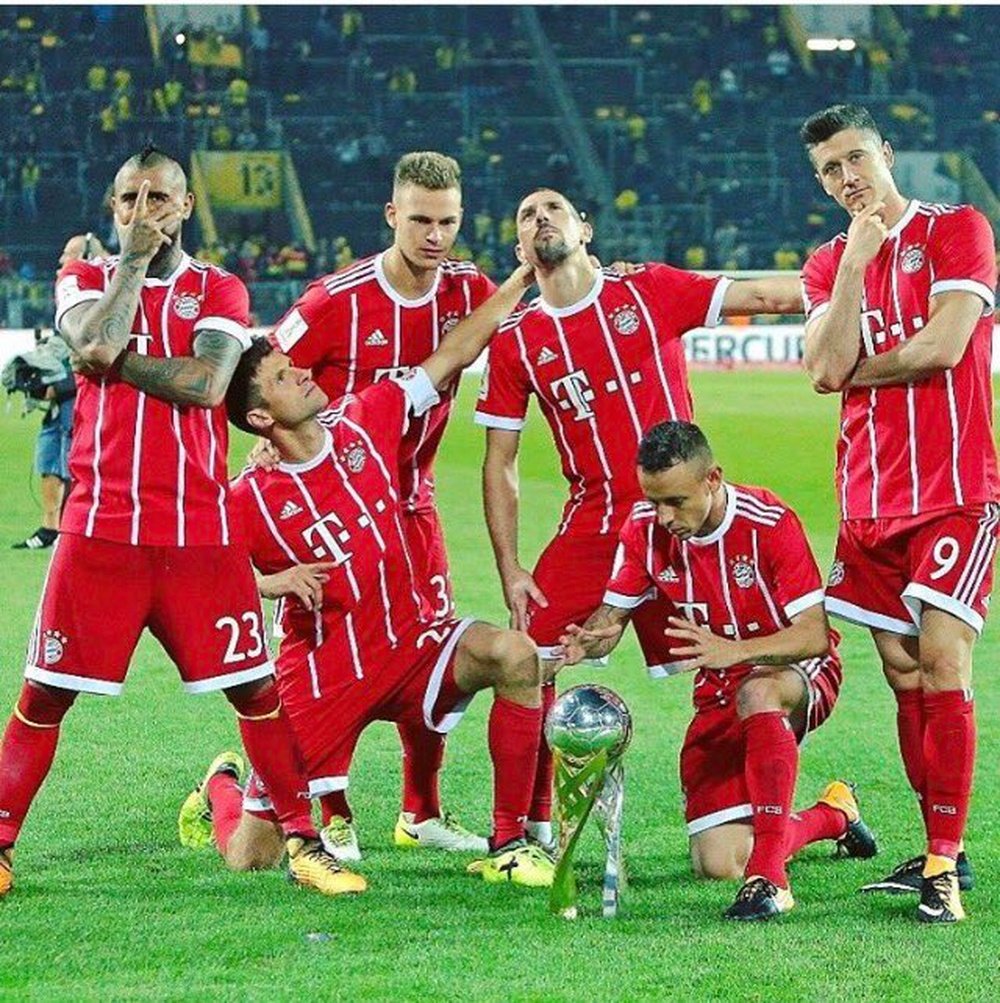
x=577 y=789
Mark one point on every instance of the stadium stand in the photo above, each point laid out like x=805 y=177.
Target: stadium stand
x=676 y=126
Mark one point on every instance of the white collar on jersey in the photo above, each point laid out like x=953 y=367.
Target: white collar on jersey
x=181 y=266
x=727 y=520
x=303 y=468
x=581 y=304
x=383 y=281
x=908 y=213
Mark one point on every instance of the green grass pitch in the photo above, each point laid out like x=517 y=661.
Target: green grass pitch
x=109 y=906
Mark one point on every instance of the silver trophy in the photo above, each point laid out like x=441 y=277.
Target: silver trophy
x=588 y=729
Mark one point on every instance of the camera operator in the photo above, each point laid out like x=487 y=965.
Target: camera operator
x=58 y=397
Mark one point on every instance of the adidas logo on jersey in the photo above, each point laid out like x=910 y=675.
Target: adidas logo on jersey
x=376 y=338
x=288 y=510
x=668 y=575
x=545 y=355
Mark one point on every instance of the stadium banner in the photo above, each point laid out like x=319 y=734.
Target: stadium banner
x=724 y=347
x=243 y=181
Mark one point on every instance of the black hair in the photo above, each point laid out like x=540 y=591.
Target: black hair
x=672 y=442
x=244 y=393
x=152 y=156
x=823 y=124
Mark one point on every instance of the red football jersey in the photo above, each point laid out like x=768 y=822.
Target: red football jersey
x=747 y=578
x=343 y=506
x=604 y=370
x=353 y=329
x=915 y=447
x=145 y=471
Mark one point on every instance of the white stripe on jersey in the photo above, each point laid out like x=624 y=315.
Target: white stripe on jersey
x=846 y=467
x=352 y=365
x=467 y=294
x=949 y=383
x=354 y=275
x=655 y=350
x=317 y=515
x=688 y=577
x=397 y=332
x=425 y=427
x=435 y=328
x=623 y=379
x=377 y=456
x=872 y=445
x=313 y=675
x=140 y=413
x=387 y=606
x=650 y=568
x=771 y=606
x=98 y=428
x=353 y=641
x=592 y=424
x=721 y=550
x=213 y=447
x=269 y=522
x=757 y=511
x=557 y=425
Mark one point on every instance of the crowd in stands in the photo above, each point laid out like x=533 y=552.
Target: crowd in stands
x=692 y=112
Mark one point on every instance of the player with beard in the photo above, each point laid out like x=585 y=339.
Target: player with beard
x=146 y=539
x=899 y=320
x=602 y=353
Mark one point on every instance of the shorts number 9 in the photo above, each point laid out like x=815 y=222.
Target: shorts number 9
x=945 y=555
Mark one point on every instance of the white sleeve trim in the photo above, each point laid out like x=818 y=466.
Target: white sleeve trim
x=713 y=317
x=84 y=296
x=421 y=394
x=665 y=669
x=979 y=289
x=498 y=421
x=227 y=326
x=620 y=601
x=817 y=312
x=810 y=599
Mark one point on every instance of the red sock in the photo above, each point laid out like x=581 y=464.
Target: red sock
x=26 y=753
x=950 y=754
x=770 y=768
x=541 y=795
x=910 y=728
x=810 y=825
x=335 y=803
x=423 y=754
x=513 y=738
x=226 y=798
x=271 y=749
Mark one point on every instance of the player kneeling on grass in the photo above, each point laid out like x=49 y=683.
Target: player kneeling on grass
x=740 y=601
x=324 y=528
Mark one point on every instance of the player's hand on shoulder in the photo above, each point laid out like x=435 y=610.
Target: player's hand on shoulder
x=303 y=581
x=519 y=588
x=264 y=455
x=626 y=267
x=866 y=234
x=700 y=646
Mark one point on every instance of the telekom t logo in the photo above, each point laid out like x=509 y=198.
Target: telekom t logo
x=142 y=342
x=573 y=392
x=874 y=331
x=325 y=538
x=696 y=612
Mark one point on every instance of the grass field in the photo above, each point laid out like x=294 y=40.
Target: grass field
x=109 y=906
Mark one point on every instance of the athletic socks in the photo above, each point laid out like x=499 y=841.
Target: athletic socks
x=949 y=755
x=770 y=768
x=541 y=796
x=423 y=754
x=226 y=799
x=514 y=732
x=27 y=751
x=910 y=729
x=811 y=825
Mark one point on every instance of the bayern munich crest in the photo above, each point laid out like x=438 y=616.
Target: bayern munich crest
x=625 y=320
x=912 y=260
x=837 y=573
x=53 y=646
x=355 y=457
x=187 y=306
x=744 y=573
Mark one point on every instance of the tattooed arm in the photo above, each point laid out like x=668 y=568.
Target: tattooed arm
x=200 y=379
x=98 y=332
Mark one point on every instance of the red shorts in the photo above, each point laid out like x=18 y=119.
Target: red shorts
x=329 y=707
x=886 y=570
x=573 y=574
x=712 y=757
x=201 y=603
x=425 y=538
